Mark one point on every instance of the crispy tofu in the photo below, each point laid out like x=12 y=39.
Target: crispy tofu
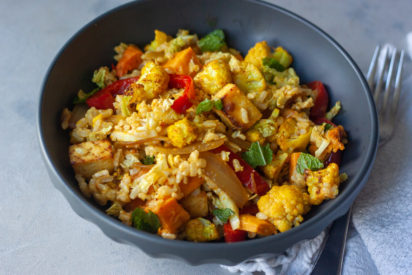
x=90 y=157
x=238 y=111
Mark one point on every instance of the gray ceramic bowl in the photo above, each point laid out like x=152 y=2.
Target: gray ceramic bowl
x=317 y=57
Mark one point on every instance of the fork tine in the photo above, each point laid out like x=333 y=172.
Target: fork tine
x=381 y=74
x=398 y=83
x=389 y=80
x=373 y=66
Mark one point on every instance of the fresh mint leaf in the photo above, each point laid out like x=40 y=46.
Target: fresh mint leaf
x=273 y=63
x=212 y=42
x=223 y=214
x=258 y=155
x=207 y=105
x=307 y=161
x=148 y=222
x=148 y=160
x=218 y=104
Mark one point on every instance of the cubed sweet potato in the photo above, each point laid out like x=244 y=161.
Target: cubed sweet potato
x=130 y=60
x=171 y=214
x=252 y=224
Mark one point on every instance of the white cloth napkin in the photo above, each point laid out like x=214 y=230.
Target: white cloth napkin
x=382 y=212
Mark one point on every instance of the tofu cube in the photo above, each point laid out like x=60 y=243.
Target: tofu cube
x=238 y=111
x=90 y=157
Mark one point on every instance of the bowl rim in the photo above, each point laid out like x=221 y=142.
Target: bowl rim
x=137 y=234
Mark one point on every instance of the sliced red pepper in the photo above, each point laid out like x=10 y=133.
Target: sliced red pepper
x=249 y=177
x=101 y=100
x=334 y=157
x=182 y=81
x=250 y=208
x=231 y=235
x=321 y=101
x=181 y=104
x=104 y=98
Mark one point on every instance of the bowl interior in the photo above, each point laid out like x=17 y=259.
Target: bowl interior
x=316 y=57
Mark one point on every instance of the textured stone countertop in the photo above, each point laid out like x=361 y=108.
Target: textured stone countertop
x=39 y=233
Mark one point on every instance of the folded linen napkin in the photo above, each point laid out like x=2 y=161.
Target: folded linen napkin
x=298 y=259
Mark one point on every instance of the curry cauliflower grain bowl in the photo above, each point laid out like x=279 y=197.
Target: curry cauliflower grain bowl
x=236 y=137
x=190 y=140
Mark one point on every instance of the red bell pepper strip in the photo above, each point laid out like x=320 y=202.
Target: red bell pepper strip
x=334 y=157
x=321 y=101
x=104 y=98
x=249 y=177
x=181 y=104
x=231 y=235
x=250 y=208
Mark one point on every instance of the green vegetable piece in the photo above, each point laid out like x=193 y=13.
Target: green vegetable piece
x=333 y=111
x=99 y=76
x=212 y=42
x=258 y=155
x=282 y=57
x=307 y=161
x=148 y=160
x=328 y=126
x=218 y=104
x=124 y=105
x=223 y=214
x=148 y=222
x=82 y=96
x=266 y=127
x=207 y=105
x=114 y=209
x=273 y=63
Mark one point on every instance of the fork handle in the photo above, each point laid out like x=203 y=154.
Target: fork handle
x=331 y=259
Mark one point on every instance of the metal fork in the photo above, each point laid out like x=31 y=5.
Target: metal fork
x=386 y=101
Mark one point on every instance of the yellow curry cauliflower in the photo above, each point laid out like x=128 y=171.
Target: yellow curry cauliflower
x=181 y=133
x=214 y=76
x=154 y=80
x=323 y=184
x=284 y=206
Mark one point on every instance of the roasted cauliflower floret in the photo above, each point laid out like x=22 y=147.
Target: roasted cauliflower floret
x=154 y=80
x=214 y=76
x=90 y=157
x=181 y=133
x=323 y=184
x=201 y=230
x=248 y=78
x=257 y=53
x=238 y=111
x=284 y=206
